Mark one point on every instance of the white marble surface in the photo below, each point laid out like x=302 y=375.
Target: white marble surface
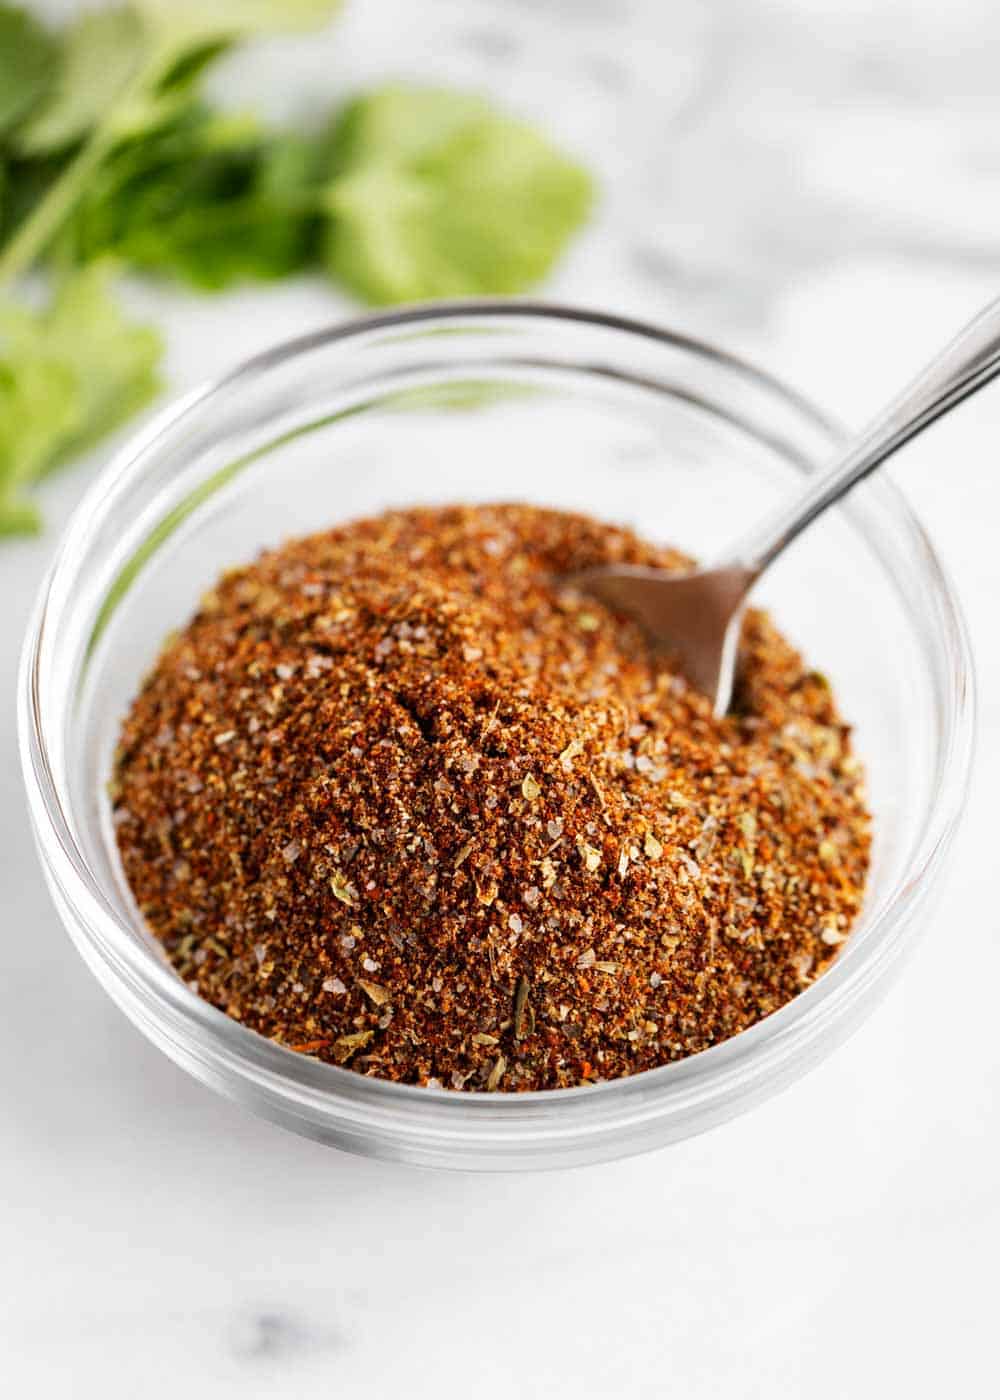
x=817 y=182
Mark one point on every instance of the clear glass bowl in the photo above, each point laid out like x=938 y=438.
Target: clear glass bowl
x=484 y=402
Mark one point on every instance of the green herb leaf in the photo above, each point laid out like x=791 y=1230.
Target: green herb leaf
x=101 y=54
x=126 y=72
x=210 y=199
x=115 y=361
x=435 y=194
x=68 y=374
x=189 y=24
x=38 y=404
x=28 y=57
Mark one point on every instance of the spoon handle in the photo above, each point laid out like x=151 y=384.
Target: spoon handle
x=971 y=360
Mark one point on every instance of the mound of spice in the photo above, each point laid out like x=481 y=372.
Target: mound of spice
x=396 y=800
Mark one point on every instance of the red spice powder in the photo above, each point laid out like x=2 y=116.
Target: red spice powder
x=397 y=800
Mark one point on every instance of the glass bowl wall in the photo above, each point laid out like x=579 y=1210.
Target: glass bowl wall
x=485 y=402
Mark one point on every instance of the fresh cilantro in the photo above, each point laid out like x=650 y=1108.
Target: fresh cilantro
x=101 y=53
x=436 y=194
x=69 y=374
x=210 y=199
x=105 y=148
x=125 y=72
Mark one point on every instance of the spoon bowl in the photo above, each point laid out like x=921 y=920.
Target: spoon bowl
x=695 y=615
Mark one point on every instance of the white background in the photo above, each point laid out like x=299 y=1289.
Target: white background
x=816 y=183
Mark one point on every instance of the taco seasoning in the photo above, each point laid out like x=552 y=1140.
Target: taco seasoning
x=395 y=799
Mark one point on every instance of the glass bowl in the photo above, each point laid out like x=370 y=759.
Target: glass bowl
x=491 y=401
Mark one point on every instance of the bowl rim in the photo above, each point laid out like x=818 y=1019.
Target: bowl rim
x=484 y=1122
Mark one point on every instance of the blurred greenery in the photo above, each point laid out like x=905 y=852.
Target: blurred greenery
x=68 y=374
x=110 y=154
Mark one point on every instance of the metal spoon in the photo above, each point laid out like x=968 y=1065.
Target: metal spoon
x=697 y=614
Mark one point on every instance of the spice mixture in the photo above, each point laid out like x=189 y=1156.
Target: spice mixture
x=396 y=800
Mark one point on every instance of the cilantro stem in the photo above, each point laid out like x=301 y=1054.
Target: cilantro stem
x=34 y=234
x=37 y=230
